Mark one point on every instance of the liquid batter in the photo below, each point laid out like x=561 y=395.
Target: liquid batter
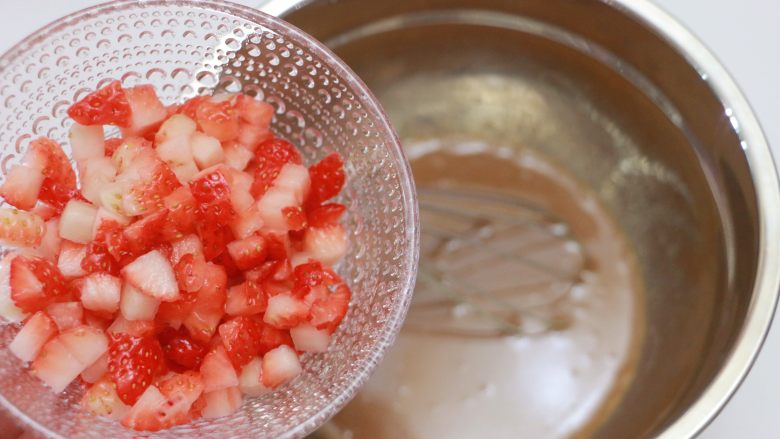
x=526 y=325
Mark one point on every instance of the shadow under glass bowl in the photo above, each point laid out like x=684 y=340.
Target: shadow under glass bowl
x=189 y=47
x=630 y=103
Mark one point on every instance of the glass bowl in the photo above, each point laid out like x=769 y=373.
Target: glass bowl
x=185 y=48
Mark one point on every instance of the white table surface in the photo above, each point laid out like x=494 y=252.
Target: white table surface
x=744 y=34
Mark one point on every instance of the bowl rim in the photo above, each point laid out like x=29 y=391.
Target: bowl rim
x=393 y=145
x=764 y=176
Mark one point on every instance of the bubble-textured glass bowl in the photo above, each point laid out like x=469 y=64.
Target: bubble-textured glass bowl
x=185 y=48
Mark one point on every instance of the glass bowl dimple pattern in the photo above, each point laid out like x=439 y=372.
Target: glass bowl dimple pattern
x=185 y=48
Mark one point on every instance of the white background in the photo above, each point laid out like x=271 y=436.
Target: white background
x=744 y=34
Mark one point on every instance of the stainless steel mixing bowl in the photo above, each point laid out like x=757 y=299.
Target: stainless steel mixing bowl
x=634 y=106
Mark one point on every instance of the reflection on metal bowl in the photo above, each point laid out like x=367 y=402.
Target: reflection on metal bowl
x=612 y=119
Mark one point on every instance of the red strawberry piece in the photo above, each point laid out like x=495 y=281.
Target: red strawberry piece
x=101 y=400
x=325 y=244
x=134 y=328
x=111 y=234
x=59 y=183
x=182 y=214
x=37 y=330
x=153 y=275
x=181 y=390
x=133 y=362
x=96 y=370
x=147 y=112
x=295 y=217
x=144 y=234
x=218 y=119
x=326 y=215
x=147 y=412
x=111 y=146
x=107 y=106
x=211 y=189
x=148 y=181
x=245 y=299
x=307 y=338
x=221 y=403
x=190 y=107
x=56 y=366
x=271 y=338
x=312 y=274
x=85 y=343
x=327 y=179
x=36 y=282
x=66 y=315
x=209 y=304
x=241 y=338
x=179 y=348
x=270 y=157
x=257 y=113
x=101 y=292
x=248 y=253
x=21 y=228
x=328 y=310
x=188 y=245
x=252 y=135
x=277 y=246
x=190 y=273
x=98 y=259
x=22 y=186
x=217 y=370
x=285 y=311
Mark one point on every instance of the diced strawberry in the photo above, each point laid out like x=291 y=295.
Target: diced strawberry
x=328 y=312
x=248 y=253
x=144 y=234
x=206 y=150
x=240 y=195
x=177 y=126
x=327 y=179
x=103 y=219
x=237 y=156
x=98 y=259
x=182 y=213
x=154 y=276
x=250 y=381
x=326 y=244
x=128 y=150
x=212 y=190
x=312 y=274
x=133 y=362
x=66 y=315
x=136 y=305
x=255 y=112
x=271 y=207
x=111 y=145
x=177 y=153
x=326 y=215
x=280 y=365
x=49 y=248
x=181 y=391
x=77 y=220
x=190 y=107
x=246 y=299
x=271 y=156
x=247 y=223
x=101 y=292
x=107 y=106
x=217 y=371
x=252 y=135
x=135 y=328
x=295 y=179
x=188 y=245
x=59 y=183
x=209 y=305
x=101 y=400
x=85 y=343
x=295 y=217
x=56 y=366
x=147 y=112
x=97 y=370
x=19 y=228
x=271 y=338
x=145 y=414
x=307 y=338
x=45 y=211
x=190 y=272
x=71 y=256
x=28 y=342
x=218 y=119
x=87 y=142
x=222 y=402
x=241 y=338
x=35 y=283
x=285 y=311
x=96 y=174
x=179 y=347
x=146 y=183
x=22 y=186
